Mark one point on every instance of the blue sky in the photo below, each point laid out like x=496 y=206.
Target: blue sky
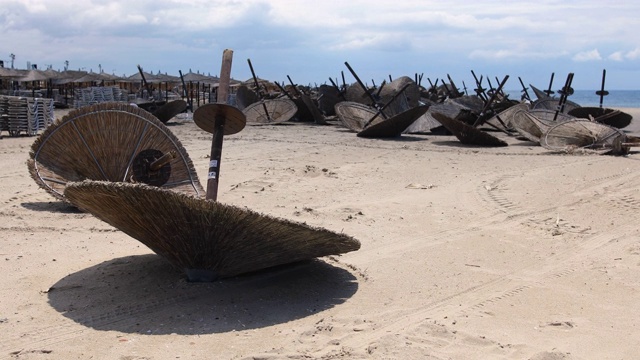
x=311 y=40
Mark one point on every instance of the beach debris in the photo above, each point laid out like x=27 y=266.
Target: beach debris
x=468 y=134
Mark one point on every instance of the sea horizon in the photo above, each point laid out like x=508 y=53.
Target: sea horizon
x=615 y=98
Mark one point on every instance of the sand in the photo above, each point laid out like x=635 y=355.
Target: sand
x=467 y=253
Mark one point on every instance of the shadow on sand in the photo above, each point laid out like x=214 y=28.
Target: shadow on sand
x=143 y=294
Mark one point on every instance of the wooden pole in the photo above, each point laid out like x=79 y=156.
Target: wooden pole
x=218 y=134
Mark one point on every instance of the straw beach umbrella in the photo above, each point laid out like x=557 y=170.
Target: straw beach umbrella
x=111 y=142
x=272 y=111
x=205 y=238
x=467 y=134
x=587 y=135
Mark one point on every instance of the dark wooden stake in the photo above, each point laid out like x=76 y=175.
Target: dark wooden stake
x=213 y=176
x=602 y=91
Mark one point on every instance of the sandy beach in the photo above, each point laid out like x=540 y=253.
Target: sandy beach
x=467 y=253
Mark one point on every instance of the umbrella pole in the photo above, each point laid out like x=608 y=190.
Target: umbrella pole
x=602 y=93
x=216 y=144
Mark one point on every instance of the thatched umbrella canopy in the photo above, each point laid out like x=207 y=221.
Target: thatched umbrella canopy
x=68 y=76
x=354 y=115
x=612 y=117
x=409 y=99
x=33 y=75
x=468 y=134
x=245 y=96
x=587 y=135
x=11 y=74
x=532 y=124
x=393 y=126
x=277 y=111
x=112 y=142
x=206 y=239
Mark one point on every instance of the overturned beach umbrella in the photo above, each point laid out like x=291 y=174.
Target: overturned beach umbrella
x=354 y=115
x=277 y=111
x=502 y=120
x=612 y=117
x=245 y=97
x=111 y=142
x=533 y=124
x=393 y=126
x=467 y=134
x=169 y=110
x=207 y=240
x=587 y=135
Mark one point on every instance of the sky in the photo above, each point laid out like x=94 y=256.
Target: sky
x=310 y=41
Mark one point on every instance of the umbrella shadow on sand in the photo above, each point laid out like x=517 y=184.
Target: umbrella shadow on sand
x=143 y=294
x=51 y=206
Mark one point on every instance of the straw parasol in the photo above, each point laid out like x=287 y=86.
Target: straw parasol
x=502 y=120
x=587 y=135
x=277 y=111
x=167 y=111
x=467 y=134
x=245 y=97
x=206 y=239
x=112 y=142
x=410 y=98
x=553 y=104
x=530 y=126
x=354 y=115
x=394 y=126
x=611 y=117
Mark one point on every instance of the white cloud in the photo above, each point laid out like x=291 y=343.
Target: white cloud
x=590 y=55
x=616 y=56
x=633 y=54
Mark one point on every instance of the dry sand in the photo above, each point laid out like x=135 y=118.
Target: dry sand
x=467 y=253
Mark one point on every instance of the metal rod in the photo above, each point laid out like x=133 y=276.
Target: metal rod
x=375 y=103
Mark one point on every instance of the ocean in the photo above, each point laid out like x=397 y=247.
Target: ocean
x=615 y=99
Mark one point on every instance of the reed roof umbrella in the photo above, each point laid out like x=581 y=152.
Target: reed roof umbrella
x=277 y=111
x=393 y=126
x=466 y=133
x=587 y=135
x=205 y=238
x=110 y=142
x=612 y=117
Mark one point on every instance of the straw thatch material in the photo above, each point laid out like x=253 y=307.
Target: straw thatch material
x=209 y=240
x=280 y=110
x=328 y=97
x=394 y=126
x=354 y=115
x=472 y=103
x=506 y=116
x=317 y=116
x=467 y=134
x=529 y=126
x=167 y=111
x=245 y=97
x=584 y=134
x=540 y=94
x=101 y=142
x=409 y=98
x=611 y=117
x=356 y=93
x=553 y=104
x=551 y=115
